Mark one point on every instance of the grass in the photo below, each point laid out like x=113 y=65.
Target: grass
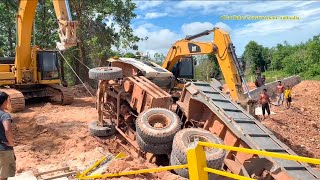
x=278 y=75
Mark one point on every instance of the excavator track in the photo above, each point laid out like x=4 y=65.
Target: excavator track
x=62 y=95
x=17 y=101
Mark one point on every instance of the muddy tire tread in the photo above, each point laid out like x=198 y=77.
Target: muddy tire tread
x=105 y=73
x=151 y=135
x=153 y=148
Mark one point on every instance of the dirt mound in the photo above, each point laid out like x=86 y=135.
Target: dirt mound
x=46 y=133
x=50 y=136
x=299 y=127
x=81 y=90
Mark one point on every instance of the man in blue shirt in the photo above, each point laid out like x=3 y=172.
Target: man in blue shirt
x=7 y=158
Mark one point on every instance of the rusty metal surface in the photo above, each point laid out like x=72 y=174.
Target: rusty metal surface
x=146 y=94
x=202 y=102
x=119 y=101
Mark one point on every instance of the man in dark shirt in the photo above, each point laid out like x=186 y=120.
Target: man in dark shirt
x=7 y=158
x=265 y=101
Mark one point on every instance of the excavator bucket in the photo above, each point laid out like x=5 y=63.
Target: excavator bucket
x=67 y=35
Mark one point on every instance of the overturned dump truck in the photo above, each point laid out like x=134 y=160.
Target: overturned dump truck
x=131 y=102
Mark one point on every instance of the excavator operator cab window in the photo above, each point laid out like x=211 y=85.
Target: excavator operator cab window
x=184 y=68
x=48 y=65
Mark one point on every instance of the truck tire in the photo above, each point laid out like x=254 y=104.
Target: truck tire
x=185 y=172
x=184 y=139
x=181 y=172
x=158 y=125
x=105 y=73
x=99 y=131
x=153 y=148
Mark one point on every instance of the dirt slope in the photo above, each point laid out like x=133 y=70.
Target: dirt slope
x=299 y=127
x=50 y=136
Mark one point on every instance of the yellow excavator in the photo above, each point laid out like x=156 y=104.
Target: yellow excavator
x=35 y=72
x=179 y=62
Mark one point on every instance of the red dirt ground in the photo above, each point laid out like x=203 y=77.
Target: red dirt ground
x=49 y=135
x=299 y=127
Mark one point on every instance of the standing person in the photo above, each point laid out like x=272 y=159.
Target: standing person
x=258 y=81
x=264 y=100
x=7 y=157
x=287 y=96
x=280 y=91
x=263 y=80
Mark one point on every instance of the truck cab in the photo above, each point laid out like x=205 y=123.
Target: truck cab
x=152 y=71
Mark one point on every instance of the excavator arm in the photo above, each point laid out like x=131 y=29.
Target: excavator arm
x=67 y=27
x=25 y=61
x=224 y=50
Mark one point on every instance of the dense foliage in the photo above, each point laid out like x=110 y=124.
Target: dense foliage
x=103 y=26
x=207 y=68
x=302 y=59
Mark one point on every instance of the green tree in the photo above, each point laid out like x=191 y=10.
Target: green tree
x=216 y=71
x=267 y=56
x=253 y=56
x=95 y=37
x=129 y=55
x=8 y=10
x=45 y=25
x=207 y=67
x=159 y=58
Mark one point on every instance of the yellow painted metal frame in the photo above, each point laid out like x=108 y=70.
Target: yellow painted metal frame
x=97 y=163
x=197 y=165
x=6 y=82
x=263 y=153
x=26 y=56
x=219 y=47
x=6 y=76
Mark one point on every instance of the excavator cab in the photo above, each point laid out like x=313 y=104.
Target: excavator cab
x=48 y=65
x=184 y=68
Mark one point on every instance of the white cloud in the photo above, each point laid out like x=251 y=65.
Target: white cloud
x=305 y=13
x=223 y=26
x=242 y=7
x=109 y=21
x=198 y=27
x=271 y=32
x=265 y=27
x=266 y=32
x=263 y=7
x=143 y=5
x=159 y=40
x=199 y=4
x=155 y=15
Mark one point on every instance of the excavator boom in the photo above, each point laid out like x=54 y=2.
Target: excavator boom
x=222 y=47
x=36 y=72
x=67 y=27
x=25 y=59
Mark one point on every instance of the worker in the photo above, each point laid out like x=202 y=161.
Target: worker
x=287 y=96
x=280 y=91
x=264 y=100
x=7 y=157
x=263 y=80
x=258 y=81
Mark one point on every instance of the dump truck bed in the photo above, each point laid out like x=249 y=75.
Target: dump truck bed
x=245 y=127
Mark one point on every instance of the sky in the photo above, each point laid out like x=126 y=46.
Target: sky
x=165 y=22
